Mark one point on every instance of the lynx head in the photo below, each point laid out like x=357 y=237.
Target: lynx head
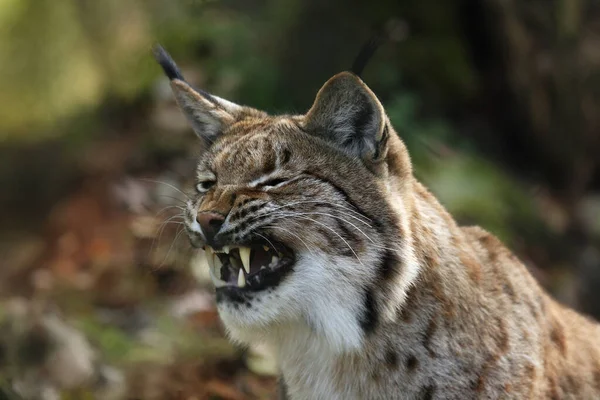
x=295 y=213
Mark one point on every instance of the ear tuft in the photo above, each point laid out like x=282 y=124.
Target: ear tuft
x=167 y=63
x=209 y=115
x=172 y=71
x=347 y=113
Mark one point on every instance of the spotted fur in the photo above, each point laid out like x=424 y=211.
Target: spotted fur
x=388 y=298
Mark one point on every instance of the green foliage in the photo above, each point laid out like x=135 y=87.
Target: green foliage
x=473 y=189
x=65 y=58
x=162 y=342
x=70 y=57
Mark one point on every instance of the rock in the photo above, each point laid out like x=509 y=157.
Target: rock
x=47 y=357
x=70 y=363
x=110 y=385
x=191 y=303
x=132 y=194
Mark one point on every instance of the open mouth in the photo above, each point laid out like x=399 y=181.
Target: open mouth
x=253 y=267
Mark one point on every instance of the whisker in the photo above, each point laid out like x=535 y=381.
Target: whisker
x=337 y=234
x=350 y=208
x=320 y=201
x=340 y=218
x=293 y=234
x=349 y=215
x=268 y=212
x=181 y=230
x=333 y=231
x=162 y=227
x=166 y=184
x=167 y=208
x=156 y=242
x=377 y=245
x=264 y=237
x=171 y=218
x=181 y=201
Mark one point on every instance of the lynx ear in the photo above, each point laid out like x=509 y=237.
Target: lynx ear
x=347 y=113
x=207 y=114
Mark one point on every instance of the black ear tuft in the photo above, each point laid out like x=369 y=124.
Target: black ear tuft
x=391 y=30
x=366 y=52
x=167 y=63
x=172 y=70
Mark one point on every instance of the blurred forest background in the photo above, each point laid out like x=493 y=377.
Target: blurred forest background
x=100 y=294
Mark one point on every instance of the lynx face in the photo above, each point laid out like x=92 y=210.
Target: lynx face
x=293 y=211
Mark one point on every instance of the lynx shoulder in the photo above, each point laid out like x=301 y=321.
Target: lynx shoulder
x=322 y=244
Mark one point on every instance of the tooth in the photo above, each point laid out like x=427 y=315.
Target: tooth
x=216 y=281
x=274 y=261
x=210 y=258
x=266 y=248
x=217 y=267
x=226 y=249
x=219 y=283
x=245 y=256
x=218 y=264
x=216 y=260
x=241 y=279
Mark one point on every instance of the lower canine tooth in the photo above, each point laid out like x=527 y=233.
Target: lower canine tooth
x=241 y=279
x=216 y=281
x=245 y=256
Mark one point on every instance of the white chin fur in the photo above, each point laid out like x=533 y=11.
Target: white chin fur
x=315 y=295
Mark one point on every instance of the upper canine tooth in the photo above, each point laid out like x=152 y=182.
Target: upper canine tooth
x=226 y=249
x=217 y=264
x=210 y=258
x=245 y=256
x=217 y=267
x=241 y=279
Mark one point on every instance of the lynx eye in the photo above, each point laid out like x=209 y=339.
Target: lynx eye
x=204 y=186
x=274 y=182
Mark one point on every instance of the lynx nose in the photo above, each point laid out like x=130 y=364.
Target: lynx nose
x=210 y=223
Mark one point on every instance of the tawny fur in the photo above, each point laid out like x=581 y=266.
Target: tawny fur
x=389 y=298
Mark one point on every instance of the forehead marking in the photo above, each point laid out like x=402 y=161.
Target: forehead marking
x=249 y=142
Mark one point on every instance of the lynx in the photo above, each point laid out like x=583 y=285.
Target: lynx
x=322 y=245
